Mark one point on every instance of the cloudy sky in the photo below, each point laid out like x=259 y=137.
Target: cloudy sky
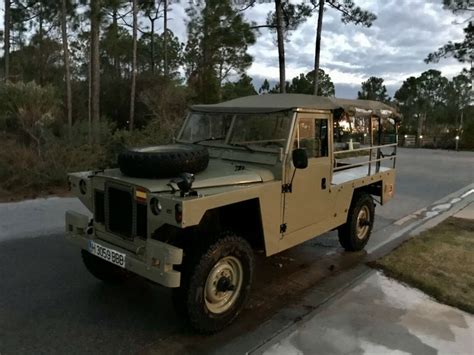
x=393 y=48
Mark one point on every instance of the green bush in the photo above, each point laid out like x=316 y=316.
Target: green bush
x=21 y=169
x=27 y=109
x=467 y=138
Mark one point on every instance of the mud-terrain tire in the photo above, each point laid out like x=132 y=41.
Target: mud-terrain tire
x=204 y=272
x=163 y=161
x=103 y=270
x=355 y=233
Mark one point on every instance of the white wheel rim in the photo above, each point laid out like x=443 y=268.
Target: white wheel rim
x=363 y=223
x=218 y=302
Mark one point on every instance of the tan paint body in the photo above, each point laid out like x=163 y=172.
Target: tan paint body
x=314 y=206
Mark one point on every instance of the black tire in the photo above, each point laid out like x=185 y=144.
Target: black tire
x=103 y=270
x=350 y=236
x=190 y=298
x=163 y=161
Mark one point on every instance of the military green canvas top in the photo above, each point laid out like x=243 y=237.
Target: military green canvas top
x=284 y=102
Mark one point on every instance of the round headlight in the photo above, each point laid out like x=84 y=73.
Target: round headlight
x=83 y=187
x=155 y=206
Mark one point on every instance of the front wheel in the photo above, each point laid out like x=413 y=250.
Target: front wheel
x=355 y=233
x=215 y=284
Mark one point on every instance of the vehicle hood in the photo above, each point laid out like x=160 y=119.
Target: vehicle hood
x=218 y=173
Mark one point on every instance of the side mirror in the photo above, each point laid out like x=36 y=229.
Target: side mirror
x=300 y=158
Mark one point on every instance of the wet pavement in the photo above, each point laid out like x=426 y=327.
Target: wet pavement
x=377 y=316
x=50 y=304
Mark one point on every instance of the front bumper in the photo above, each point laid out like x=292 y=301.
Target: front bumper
x=155 y=263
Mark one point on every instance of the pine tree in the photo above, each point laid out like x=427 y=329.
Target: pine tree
x=134 y=64
x=462 y=51
x=218 y=39
x=373 y=89
x=6 y=39
x=95 y=16
x=350 y=13
x=67 y=69
x=286 y=17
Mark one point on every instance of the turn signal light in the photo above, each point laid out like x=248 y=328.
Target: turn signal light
x=83 y=186
x=178 y=213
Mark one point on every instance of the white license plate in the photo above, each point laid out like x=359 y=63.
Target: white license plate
x=108 y=254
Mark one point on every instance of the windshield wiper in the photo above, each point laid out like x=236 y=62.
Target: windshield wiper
x=208 y=139
x=242 y=146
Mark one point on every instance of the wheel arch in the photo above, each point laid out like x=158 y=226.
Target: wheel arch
x=243 y=218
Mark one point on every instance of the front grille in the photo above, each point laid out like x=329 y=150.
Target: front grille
x=123 y=215
x=120 y=211
x=141 y=220
x=99 y=206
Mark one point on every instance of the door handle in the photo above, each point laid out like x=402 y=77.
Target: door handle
x=323 y=184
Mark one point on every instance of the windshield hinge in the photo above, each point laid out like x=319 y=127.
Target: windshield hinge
x=283 y=228
x=286 y=188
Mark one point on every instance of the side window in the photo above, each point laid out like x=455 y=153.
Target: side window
x=312 y=135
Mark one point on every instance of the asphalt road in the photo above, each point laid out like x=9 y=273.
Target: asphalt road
x=50 y=304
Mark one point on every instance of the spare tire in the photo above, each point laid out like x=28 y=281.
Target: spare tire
x=163 y=161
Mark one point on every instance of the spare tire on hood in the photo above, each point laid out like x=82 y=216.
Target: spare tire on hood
x=163 y=161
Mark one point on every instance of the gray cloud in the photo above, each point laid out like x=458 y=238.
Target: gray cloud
x=393 y=48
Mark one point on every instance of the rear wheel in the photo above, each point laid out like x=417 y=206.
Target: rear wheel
x=215 y=283
x=103 y=270
x=355 y=233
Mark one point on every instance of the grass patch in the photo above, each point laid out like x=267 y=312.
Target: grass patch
x=439 y=261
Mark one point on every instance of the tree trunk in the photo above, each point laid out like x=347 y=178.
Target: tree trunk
x=116 y=60
x=40 y=45
x=95 y=69
x=67 y=69
x=6 y=38
x=152 y=45
x=281 y=45
x=165 y=39
x=317 y=52
x=89 y=99
x=134 y=65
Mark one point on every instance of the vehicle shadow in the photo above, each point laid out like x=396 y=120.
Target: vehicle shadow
x=280 y=281
x=51 y=304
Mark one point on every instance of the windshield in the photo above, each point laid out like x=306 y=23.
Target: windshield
x=204 y=126
x=268 y=130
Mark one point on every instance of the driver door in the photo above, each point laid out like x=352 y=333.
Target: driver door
x=309 y=203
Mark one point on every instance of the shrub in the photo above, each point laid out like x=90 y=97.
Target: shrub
x=467 y=138
x=22 y=170
x=27 y=109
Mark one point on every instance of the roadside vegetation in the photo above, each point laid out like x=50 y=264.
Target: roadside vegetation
x=439 y=262
x=84 y=79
